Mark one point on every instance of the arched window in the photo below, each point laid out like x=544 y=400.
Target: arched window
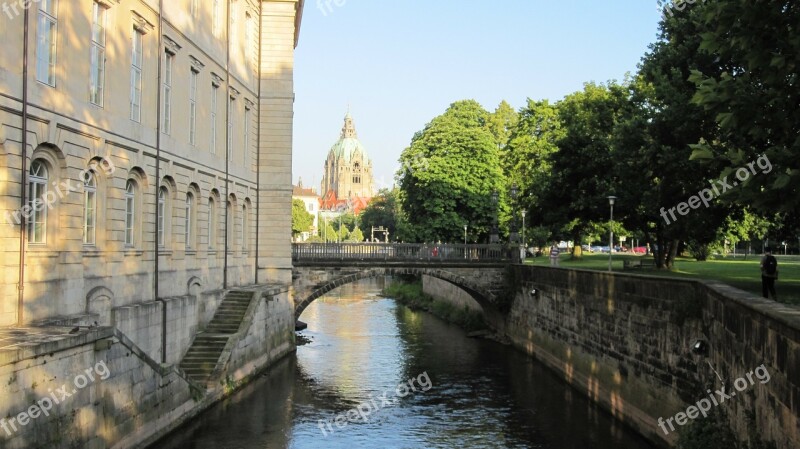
x=212 y=224
x=37 y=188
x=89 y=208
x=130 y=213
x=244 y=228
x=162 y=215
x=230 y=226
x=189 y=228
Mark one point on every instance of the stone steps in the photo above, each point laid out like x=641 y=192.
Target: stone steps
x=202 y=357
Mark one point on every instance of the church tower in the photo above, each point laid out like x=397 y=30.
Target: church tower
x=348 y=169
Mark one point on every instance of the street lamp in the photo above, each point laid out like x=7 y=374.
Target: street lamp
x=465 y=241
x=524 y=242
x=611 y=200
x=494 y=237
x=514 y=235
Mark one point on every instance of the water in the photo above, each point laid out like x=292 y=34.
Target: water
x=468 y=393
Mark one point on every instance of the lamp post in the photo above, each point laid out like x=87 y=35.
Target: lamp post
x=494 y=237
x=513 y=236
x=465 y=241
x=611 y=200
x=524 y=246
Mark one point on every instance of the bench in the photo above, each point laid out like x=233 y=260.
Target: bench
x=644 y=262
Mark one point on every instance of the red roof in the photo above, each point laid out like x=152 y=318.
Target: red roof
x=355 y=204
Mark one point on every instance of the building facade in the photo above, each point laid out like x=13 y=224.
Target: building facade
x=348 y=169
x=310 y=199
x=146 y=155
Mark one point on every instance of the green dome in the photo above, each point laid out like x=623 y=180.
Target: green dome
x=348 y=145
x=347 y=148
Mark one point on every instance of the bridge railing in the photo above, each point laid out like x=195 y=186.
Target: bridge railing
x=400 y=252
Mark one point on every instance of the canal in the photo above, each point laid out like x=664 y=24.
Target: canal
x=378 y=375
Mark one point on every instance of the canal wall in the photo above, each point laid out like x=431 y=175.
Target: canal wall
x=97 y=389
x=626 y=342
x=448 y=292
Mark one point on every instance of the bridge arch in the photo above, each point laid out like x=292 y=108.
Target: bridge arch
x=482 y=296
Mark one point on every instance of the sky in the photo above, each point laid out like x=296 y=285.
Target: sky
x=397 y=64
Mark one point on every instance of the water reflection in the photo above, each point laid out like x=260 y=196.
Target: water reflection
x=483 y=395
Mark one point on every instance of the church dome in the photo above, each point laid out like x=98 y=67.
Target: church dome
x=348 y=147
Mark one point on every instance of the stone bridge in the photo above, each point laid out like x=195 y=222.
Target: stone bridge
x=479 y=270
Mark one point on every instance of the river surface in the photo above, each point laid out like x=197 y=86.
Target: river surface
x=378 y=375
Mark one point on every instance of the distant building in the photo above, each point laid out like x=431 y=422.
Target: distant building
x=312 y=201
x=347 y=180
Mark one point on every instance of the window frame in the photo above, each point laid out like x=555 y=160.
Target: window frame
x=194 y=77
x=97 y=58
x=89 y=224
x=131 y=189
x=163 y=202
x=136 y=82
x=37 y=190
x=47 y=17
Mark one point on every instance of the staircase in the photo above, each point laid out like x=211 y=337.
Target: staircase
x=202 y=357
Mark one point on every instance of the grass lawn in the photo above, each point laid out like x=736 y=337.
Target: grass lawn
x=743 y=274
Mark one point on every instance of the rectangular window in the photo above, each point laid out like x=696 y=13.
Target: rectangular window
x=98 y=56
x=216 y=12
x=38 y=219
x=130 y=211
x=193 y=107
x=187 y=221
x=46 y=33
x=214 y=92
x=89 y=212
x=233 y=28
x=162 y=219
x=230 y=127
x=249 y=37
x=246 y=150
x=136 y=76
x=244 y=228
x=166 y=121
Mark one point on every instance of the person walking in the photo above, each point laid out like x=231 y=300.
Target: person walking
x=769 y=274
x=554 y=252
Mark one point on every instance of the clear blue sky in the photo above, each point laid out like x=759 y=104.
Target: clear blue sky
x=399 y=63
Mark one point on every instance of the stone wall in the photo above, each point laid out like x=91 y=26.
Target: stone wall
x=447 y=292
x=625 y=341
x=122 y=397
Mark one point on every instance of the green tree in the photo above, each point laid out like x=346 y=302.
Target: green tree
x=330 y=234
x=462 y=170
x=526 y=158
x=301 y=219
x=343 y=233
x=581 y=175
x=356 y=236
x=501 y=123
x=383 y=210
x=753 y=91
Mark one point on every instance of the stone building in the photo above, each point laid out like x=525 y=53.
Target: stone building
x=348 y=169
x=311 y=200
x=146 y=160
